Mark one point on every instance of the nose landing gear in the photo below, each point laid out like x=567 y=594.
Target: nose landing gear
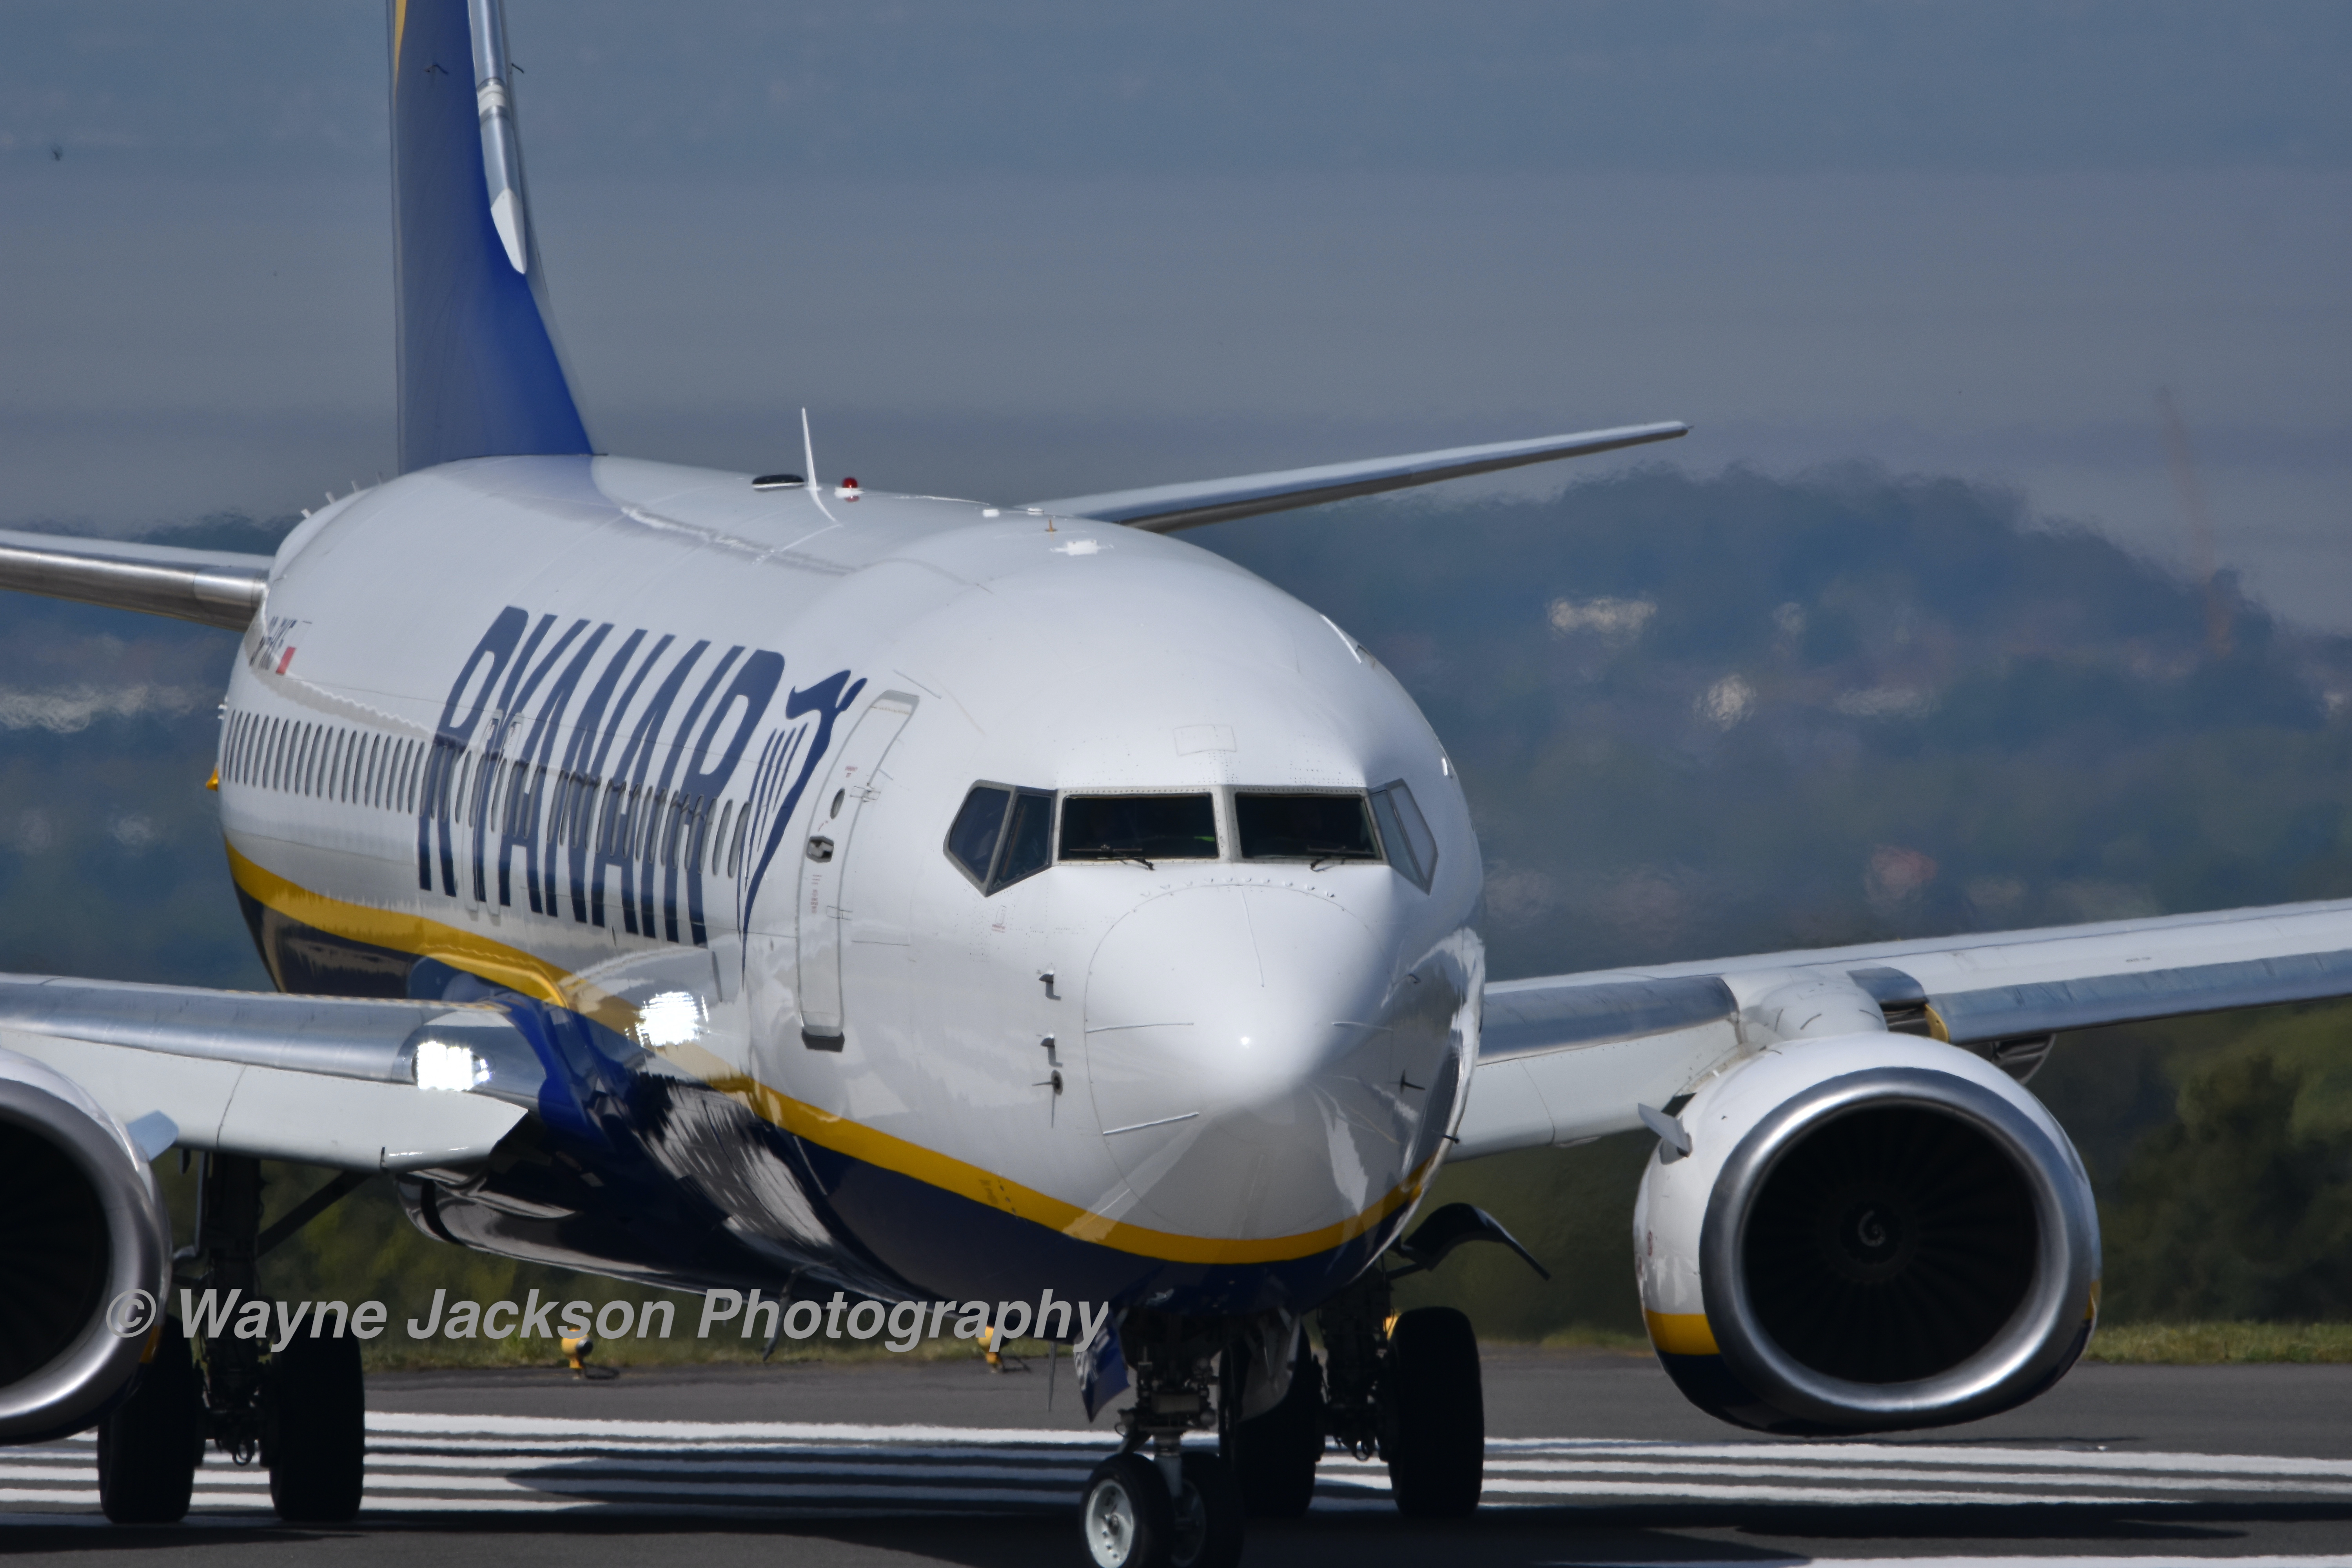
x=1153 y=1505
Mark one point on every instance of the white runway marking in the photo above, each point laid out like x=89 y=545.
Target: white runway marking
x=2249 y=1562
x=444 y=1465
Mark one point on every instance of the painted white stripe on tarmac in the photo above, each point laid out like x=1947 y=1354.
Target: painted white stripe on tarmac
x=1938 y=1453
x=753 y=1431
x=445 y=1464
x=2180 y=1562
x=2167 y=1481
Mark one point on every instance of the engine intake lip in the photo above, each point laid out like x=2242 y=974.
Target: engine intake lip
x=78 y=1384
x=2031 y=1347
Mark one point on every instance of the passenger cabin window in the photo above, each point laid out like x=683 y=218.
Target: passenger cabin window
x=1001 y=835
x=1315 y=827
x=1141 y=827
x=1412 y=847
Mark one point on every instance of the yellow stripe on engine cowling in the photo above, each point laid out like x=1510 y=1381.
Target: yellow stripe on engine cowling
x=1680 y=1333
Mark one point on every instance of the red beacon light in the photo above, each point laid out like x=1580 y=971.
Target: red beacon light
x=847 y=489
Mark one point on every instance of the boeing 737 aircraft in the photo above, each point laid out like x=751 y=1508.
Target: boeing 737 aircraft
x=723 y=881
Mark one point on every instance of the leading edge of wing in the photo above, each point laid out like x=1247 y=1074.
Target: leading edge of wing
x=1164 y=509
x=356 y=1085
x=1988 y=985
x=217 y=587
x=1570 y=1057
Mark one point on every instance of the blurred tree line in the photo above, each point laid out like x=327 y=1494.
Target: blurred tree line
x=1695 y=716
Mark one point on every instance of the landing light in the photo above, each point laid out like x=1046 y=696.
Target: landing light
x=669 y=1018
x=440 y=1065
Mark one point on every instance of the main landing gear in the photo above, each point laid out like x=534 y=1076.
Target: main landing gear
x=1402 y=1386
x=301 y=1410
x=1406 y=1387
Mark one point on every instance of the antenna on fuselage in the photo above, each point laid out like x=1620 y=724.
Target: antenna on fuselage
x=808 y=451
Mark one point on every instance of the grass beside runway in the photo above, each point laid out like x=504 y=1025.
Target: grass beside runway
x=2216 y=1344
x=2122 y=1344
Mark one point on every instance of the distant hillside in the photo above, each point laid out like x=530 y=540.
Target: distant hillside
x=1707 y=716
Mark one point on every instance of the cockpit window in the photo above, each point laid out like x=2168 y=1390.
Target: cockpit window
x=1404 y=832
x=1029 y=840
x=1316 y=827
x=1143 y=828
x=973 y=838
x=1001 y=834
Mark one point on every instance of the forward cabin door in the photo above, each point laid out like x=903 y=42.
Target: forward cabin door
x=855 y=780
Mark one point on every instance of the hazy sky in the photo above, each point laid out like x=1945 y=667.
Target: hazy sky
x=1033 y=250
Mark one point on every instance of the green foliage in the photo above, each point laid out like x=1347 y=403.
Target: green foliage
x=2230 y=1212
x=1573 y=1209
x=2210 y=1345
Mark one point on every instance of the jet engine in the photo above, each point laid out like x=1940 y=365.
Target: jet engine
x=85 y=1255
x=1864 y=1232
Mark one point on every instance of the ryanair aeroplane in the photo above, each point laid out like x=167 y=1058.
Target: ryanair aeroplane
x=730 y=882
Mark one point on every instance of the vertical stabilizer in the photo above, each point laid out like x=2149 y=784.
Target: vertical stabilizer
x=480 y=376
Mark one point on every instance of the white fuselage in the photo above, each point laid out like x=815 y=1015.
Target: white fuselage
x=570 y=726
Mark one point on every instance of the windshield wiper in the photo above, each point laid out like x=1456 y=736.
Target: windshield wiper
x=1130 y=857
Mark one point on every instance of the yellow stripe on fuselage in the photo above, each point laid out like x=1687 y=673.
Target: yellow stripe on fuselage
x=533 y=976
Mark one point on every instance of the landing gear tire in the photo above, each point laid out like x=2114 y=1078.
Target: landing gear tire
x=316 y=1437
x=1129 y=1520
x=1208 y=1517
x=148 y=1448
x=1275 y=1454
x=1436 y=1445
x=1126 y=1518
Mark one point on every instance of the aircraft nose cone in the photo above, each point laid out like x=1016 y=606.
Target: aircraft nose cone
x=1255 y=1074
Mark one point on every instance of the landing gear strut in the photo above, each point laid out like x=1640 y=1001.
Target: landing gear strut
x=1153 y=1505
x=301 y=1410
x=1403 y=1387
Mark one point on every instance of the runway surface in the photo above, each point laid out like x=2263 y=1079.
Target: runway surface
x=2120 y=1465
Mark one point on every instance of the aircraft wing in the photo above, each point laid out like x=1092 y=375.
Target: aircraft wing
x=1569 y=1057
x=1164 y=509
x=217 y=587
x=355 y=1085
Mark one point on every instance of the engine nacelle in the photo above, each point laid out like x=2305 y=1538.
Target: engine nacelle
x=1869 y=1232
x=82 y=1226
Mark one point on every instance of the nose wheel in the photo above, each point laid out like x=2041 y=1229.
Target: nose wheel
x=1129 y=1520
x=1155 y=1505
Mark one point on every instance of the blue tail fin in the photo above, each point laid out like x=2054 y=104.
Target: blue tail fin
x=480 y=376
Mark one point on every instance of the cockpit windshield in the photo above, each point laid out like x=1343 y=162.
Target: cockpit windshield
x=1005 y=833
x=1139 y=827
x=1318 y=827
x=1001 y=835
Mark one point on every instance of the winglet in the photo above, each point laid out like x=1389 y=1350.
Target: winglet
x=480 y=372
